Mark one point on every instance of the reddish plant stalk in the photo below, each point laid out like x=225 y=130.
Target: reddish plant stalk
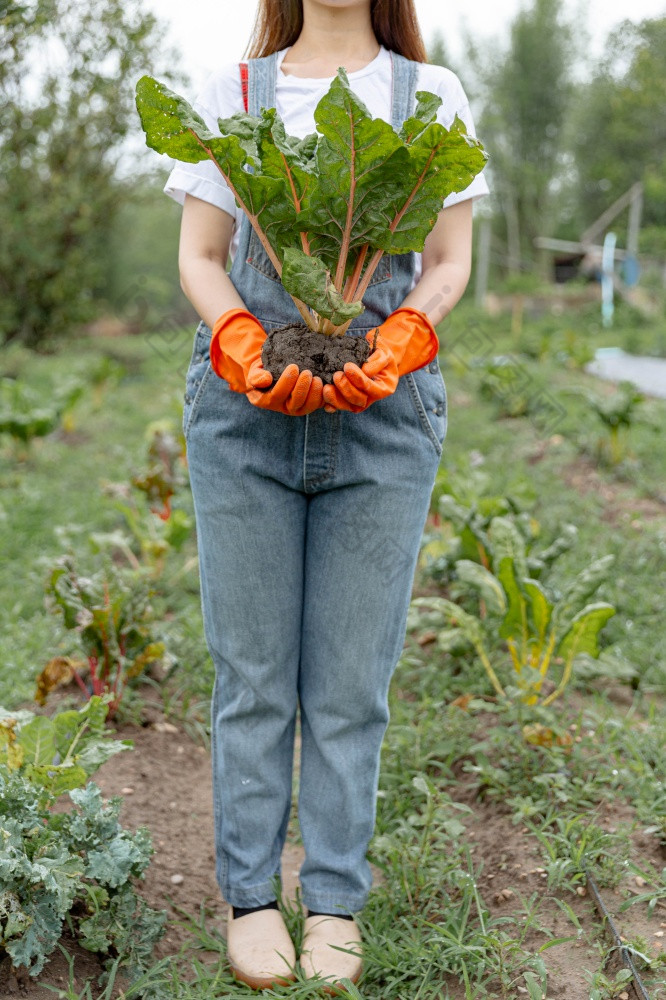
x=346 y=234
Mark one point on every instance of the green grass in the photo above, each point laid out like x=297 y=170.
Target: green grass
x=433 y=928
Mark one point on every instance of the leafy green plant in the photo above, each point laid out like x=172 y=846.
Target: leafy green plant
x=113 y=618
x=24 y=416
x=164 y=475
x=326 y=207
x=75 y=866
x=503 y=379
x=465 y=509
x=537 y=628
x=615 y=412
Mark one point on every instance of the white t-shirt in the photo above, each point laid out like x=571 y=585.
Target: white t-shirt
x=296 y=99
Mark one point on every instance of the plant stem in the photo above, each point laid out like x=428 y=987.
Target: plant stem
x=489 y=670
x=349 y=293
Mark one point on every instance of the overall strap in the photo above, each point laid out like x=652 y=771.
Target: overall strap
x=405 y=76
x=261 y=83
x=243 y=76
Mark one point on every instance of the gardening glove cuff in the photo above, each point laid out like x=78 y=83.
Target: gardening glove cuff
x=237 y=340
x=410 y=336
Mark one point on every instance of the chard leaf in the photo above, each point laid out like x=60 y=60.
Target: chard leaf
x=487 y=584
x=578 y=590
x=356 y=160
x=289 y=160
x=540 y=605
x=507 y=541
x=427 y=106
x=38 y=741
x=441 y=162
x=173 y=127
x=56 y=778
x=309 y=279
x=514 y=620
x=583 y=632
x=469 y=625
x=243 y=126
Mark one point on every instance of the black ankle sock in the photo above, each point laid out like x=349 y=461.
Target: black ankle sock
x=242 y=911
x=343 y=916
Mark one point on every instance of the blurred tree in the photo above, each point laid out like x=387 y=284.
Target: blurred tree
x=142 y=281
x=525 y=94
x=618 y=125
x=67 y=75
x=438 y=53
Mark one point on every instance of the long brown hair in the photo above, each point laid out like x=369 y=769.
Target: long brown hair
x=279 y=23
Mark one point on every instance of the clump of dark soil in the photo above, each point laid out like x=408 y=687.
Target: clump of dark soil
x=316 y=352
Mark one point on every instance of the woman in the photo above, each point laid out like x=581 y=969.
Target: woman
x=310 y=501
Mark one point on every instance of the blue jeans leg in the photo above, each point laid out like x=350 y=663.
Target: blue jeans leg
x=363 y=543
x=251 y=530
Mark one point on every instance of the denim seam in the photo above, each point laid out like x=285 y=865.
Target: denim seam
x=331 y=468
x=421 y=411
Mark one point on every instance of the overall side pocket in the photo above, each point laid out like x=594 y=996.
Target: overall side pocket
x=198 y=372
x=428 y=393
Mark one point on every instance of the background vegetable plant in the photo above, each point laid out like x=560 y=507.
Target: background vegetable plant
x=77 y=865
x=537 y=627
x=112 y=615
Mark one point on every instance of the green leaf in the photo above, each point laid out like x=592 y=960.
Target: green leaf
x=37 y=738
x=540 y=605
x=427 y=106
x=577 y=591
x=358 y=159
x=284 y=156
x=514 y=620
x=469 y=626
x=56 y=778
x=486 y=583
x=244 y=127
x=308 y=279
x=583 y=632
x=507 y=542
x=116 y=863
x=171 y=125
x=440 y=162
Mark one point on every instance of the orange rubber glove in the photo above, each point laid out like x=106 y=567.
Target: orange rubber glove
x=237 y=340
x=235 y=355
x=356 y=388
x=295 y=393
x=408 y=336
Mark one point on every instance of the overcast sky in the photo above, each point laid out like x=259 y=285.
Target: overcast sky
x=210 y=32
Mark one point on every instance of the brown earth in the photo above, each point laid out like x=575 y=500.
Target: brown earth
x=318 y=353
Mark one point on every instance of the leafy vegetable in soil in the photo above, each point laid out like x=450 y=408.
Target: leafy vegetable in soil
x=325 y=207
x=77 y=866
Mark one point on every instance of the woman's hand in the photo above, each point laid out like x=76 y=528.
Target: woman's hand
x=408 y=338
x=357 y=388
x=295 y=393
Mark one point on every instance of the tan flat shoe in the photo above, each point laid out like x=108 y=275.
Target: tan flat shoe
x=322 y=938
x=259 y=949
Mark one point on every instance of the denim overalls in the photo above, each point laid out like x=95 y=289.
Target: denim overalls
x=308 y=533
